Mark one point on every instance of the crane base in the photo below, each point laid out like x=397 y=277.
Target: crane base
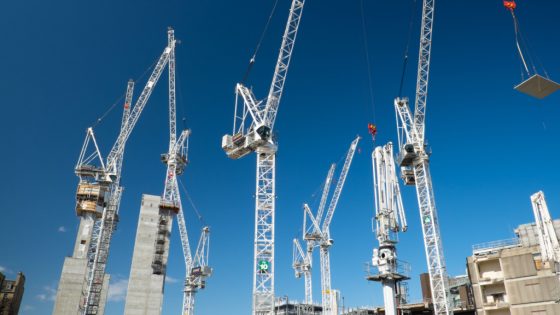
x=538 y=86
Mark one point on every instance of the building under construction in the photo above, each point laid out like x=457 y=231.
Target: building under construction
x=149 y=260
x=511 y=277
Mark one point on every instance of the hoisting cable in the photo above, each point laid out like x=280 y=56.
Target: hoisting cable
x=368 y=62
x=198 y=215
x=521 y=42
x=517 y=35
x=411 y=21
x=253 y=58
x=110 y=109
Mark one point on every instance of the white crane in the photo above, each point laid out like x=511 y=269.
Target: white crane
x=197 y=269
x=176 y=160
x=320 y=233
x=258 y=137
x=100 y=186
x=389 y=220
x=414 y=161
x=548 y=240
x=302 y=262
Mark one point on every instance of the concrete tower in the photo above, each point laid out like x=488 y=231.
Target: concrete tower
x=72 y=279
x=149 y=261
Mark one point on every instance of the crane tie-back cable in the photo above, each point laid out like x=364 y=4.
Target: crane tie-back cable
x=110 y=109
x=412 y=18
x=198 y=215
x=253 y=58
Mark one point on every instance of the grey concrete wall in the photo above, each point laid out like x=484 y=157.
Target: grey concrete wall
x=478 y=301
x=72 y=277
x=70 y=286
x=83 y=237
x=548 y=309
x=533 y=290
x=472 y=270
x=145 y=289
x=519 y=266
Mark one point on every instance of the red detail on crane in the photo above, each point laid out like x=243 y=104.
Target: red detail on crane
x=126 y=106
x=510 y=5
x=372 y=130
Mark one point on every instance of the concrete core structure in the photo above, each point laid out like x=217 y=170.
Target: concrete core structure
x=72 y=279
x=149 y=261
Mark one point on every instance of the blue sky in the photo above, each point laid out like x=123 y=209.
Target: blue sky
x=66 y=62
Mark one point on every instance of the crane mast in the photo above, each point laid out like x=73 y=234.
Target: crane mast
x=107 y=179
x=318 y=235
x=176 y=160
x=389 y=220
x=302 y=263
x=328 y=300
x=259 y=138
x=548 y=240
x=414 y=162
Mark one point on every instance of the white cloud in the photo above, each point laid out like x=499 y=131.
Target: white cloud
x=48 y=294
x=170 y=280
x=62 y=229
x=28 y=308
x=117 y=290
x=5 y=270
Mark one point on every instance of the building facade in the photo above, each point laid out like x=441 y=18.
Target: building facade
x=510 y=278
x=11 y=294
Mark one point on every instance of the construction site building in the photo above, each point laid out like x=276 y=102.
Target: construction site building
x=510 y=278
x=149 y=260
x=11 y=294
x=460 y=294
x=72 y=279
x=283 y=306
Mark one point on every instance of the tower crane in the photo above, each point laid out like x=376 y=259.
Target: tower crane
x=197 y=269
x=548 y=240
x=302 y=262
x=320 y=234
x=99 y=190
x=414 y=160
x=389 y=220
x=302 y=265
x=176 y=160
x=257 y=136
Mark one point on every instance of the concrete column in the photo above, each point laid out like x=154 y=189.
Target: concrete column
x=145 y=285
x=72 y=279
